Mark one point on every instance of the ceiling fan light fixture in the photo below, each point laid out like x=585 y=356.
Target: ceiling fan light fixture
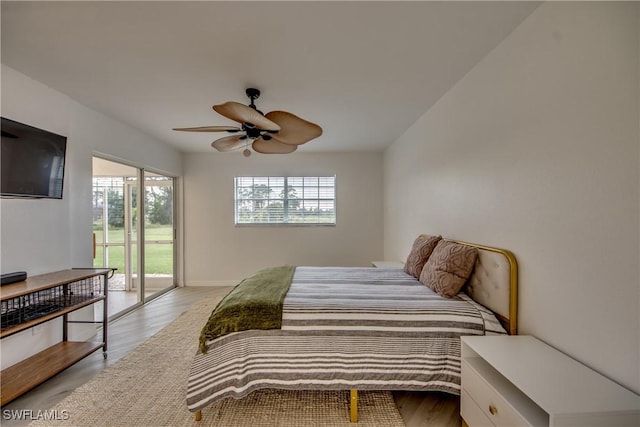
x=277 y=132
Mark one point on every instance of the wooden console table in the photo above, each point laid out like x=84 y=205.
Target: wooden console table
x=42 y=298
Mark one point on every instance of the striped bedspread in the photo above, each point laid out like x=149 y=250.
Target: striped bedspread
x=345 y=328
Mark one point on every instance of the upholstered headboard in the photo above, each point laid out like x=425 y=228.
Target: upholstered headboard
x=494 y=283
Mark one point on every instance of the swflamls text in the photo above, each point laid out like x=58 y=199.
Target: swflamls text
x=33 y=415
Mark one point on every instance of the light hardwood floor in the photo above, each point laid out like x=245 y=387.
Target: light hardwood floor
x=418 y=409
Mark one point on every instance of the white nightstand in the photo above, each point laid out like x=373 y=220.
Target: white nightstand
x=387 y=264
x=521 y=381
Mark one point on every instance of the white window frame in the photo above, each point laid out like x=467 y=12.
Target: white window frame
x=283 y=183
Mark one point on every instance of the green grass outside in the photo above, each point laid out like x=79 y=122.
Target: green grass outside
x=158 y=257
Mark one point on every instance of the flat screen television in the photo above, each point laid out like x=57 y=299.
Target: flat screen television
x=31 y=161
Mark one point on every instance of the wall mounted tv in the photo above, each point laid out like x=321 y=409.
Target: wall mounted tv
x=31 y=161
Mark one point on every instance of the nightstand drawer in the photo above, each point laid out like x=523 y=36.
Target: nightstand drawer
x=529 y=383
x=489 y=401
x=471 y=412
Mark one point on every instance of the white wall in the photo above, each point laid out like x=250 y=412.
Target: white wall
x=536 y=150
x=219 y=253
x=40 y=236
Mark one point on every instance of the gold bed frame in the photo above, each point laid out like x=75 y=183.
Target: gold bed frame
x=508 y=319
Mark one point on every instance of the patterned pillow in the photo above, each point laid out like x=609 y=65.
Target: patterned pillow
x=420 y=252
x=448 y=268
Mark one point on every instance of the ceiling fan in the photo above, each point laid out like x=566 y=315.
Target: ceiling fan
x=276 y=132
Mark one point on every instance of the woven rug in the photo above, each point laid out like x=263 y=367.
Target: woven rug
x=147 y=387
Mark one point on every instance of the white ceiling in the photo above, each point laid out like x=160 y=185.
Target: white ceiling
x=364 y=71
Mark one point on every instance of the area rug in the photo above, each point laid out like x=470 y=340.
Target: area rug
x=147 y=387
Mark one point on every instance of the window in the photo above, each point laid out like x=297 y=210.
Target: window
x=285 y=200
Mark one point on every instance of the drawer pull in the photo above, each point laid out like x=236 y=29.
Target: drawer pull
x=493 y=409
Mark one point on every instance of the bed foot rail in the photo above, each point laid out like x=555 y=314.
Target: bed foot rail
x=353 y=412
x=198 y=415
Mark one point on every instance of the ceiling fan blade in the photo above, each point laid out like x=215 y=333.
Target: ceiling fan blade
x=244 y=114
x=293 y=129
x=229 y=143
x=210 y=129
x=272 y=147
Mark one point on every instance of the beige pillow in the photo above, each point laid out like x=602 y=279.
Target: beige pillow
x=448 y=268
x=420 y=252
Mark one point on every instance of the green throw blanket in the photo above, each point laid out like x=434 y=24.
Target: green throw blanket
x=256 y=303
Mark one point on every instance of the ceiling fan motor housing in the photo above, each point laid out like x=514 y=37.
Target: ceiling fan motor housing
x=252 y=131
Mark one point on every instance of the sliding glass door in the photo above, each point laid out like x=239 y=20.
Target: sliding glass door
x=159 y=234
x=114 y=224
x=122 y=219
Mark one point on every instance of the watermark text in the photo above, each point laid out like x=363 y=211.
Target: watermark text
x=33 y=415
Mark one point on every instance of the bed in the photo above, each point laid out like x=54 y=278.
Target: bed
x=358 y=328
